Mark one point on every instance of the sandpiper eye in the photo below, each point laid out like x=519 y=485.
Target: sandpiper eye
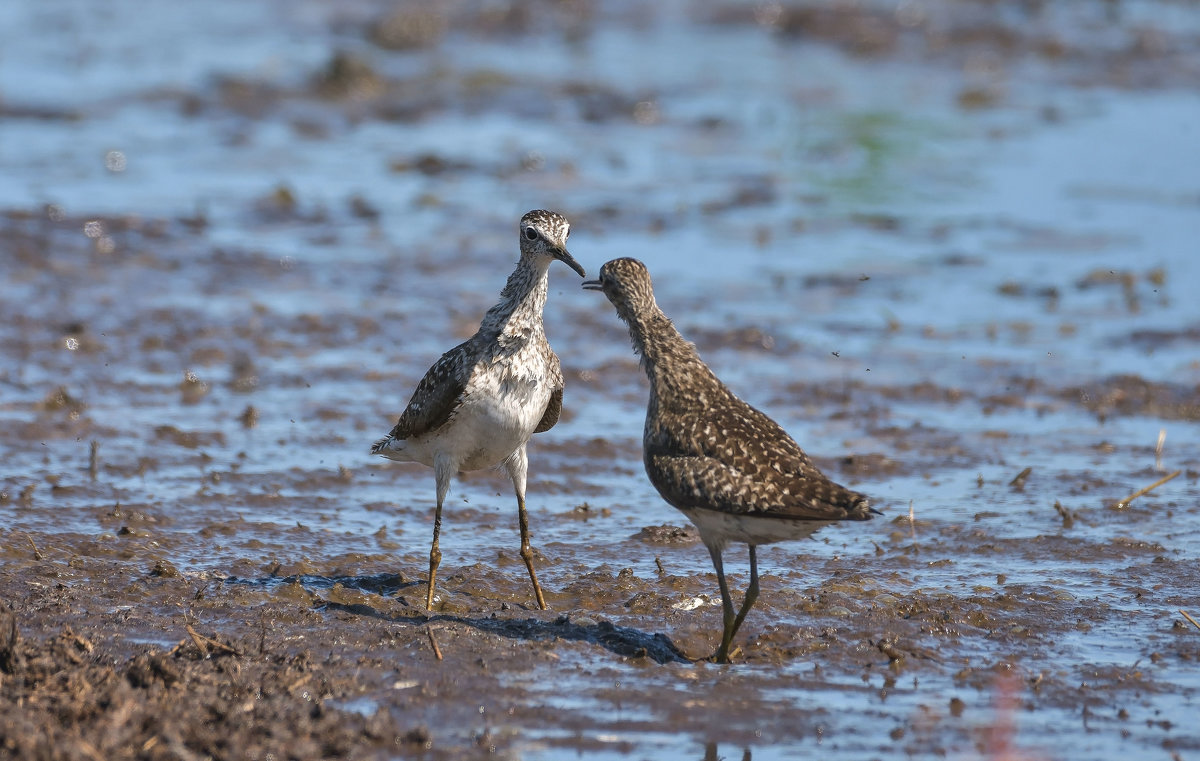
x=530 y=233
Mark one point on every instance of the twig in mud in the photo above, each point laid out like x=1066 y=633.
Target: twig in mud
x=1019 y=481
x=198 y=641
x=912 y=520
x=1146 y=490
x=203 y=643
x=888 y=648
x=82 y=643
x=94 y=459
x=1158 y=449
x=262 y=632
x=301 y=681
x=658 y=564
x=437 y=651
x=37 y=555
x=90 y=751
x=1068 y=518
x=1189 y=618
x=10 y=655
x=226 y=648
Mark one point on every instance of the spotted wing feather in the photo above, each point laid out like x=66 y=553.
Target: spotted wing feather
x=553 y=410
x=706 y=483
x=554 y=377
x=732 y=457
x=437 y=396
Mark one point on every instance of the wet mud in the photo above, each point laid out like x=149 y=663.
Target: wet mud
x=199 y=559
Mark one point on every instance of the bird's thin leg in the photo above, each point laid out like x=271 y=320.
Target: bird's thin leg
x=722 y=655
x=517 y=467
x=527 y=551
x=442 y=472
x=751 y=593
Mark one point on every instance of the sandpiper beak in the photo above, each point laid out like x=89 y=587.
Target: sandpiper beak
x=593 y=285
x=565 y=257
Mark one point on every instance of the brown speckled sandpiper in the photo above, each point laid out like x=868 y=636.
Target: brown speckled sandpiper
x=728 y=467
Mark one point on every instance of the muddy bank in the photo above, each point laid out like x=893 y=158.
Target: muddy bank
x=116 y=657
x=222 y=550
x=949 y=246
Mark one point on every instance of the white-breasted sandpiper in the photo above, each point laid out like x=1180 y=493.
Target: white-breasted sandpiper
x=478 y=406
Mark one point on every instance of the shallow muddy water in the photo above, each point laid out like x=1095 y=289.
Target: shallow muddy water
x=949 y=247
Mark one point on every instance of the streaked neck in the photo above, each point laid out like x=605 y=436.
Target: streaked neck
x=519 y=310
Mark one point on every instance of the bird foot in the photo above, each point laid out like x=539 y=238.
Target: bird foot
x=723 y=658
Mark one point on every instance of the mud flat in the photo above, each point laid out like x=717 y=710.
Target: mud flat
x=949 y=246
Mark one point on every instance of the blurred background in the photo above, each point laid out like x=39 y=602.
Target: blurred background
x=939 y=240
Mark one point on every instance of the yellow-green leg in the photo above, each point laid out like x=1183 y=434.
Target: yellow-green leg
x=442 y=472
x=517 y=467
x=731 y=621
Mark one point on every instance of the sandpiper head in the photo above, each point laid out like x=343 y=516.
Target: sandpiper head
x=626 y=283
x=544 y=233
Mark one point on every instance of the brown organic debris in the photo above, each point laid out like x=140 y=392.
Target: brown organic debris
x=1146 y=490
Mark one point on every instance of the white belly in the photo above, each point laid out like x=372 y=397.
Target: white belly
x=718 y=529
x=497 y=417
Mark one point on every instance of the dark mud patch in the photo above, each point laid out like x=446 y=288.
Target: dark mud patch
x=1150 y=340
x=668 y=534
x=1088 y=44
x=201 y=698
x=1134 y=395
x=105 y=660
